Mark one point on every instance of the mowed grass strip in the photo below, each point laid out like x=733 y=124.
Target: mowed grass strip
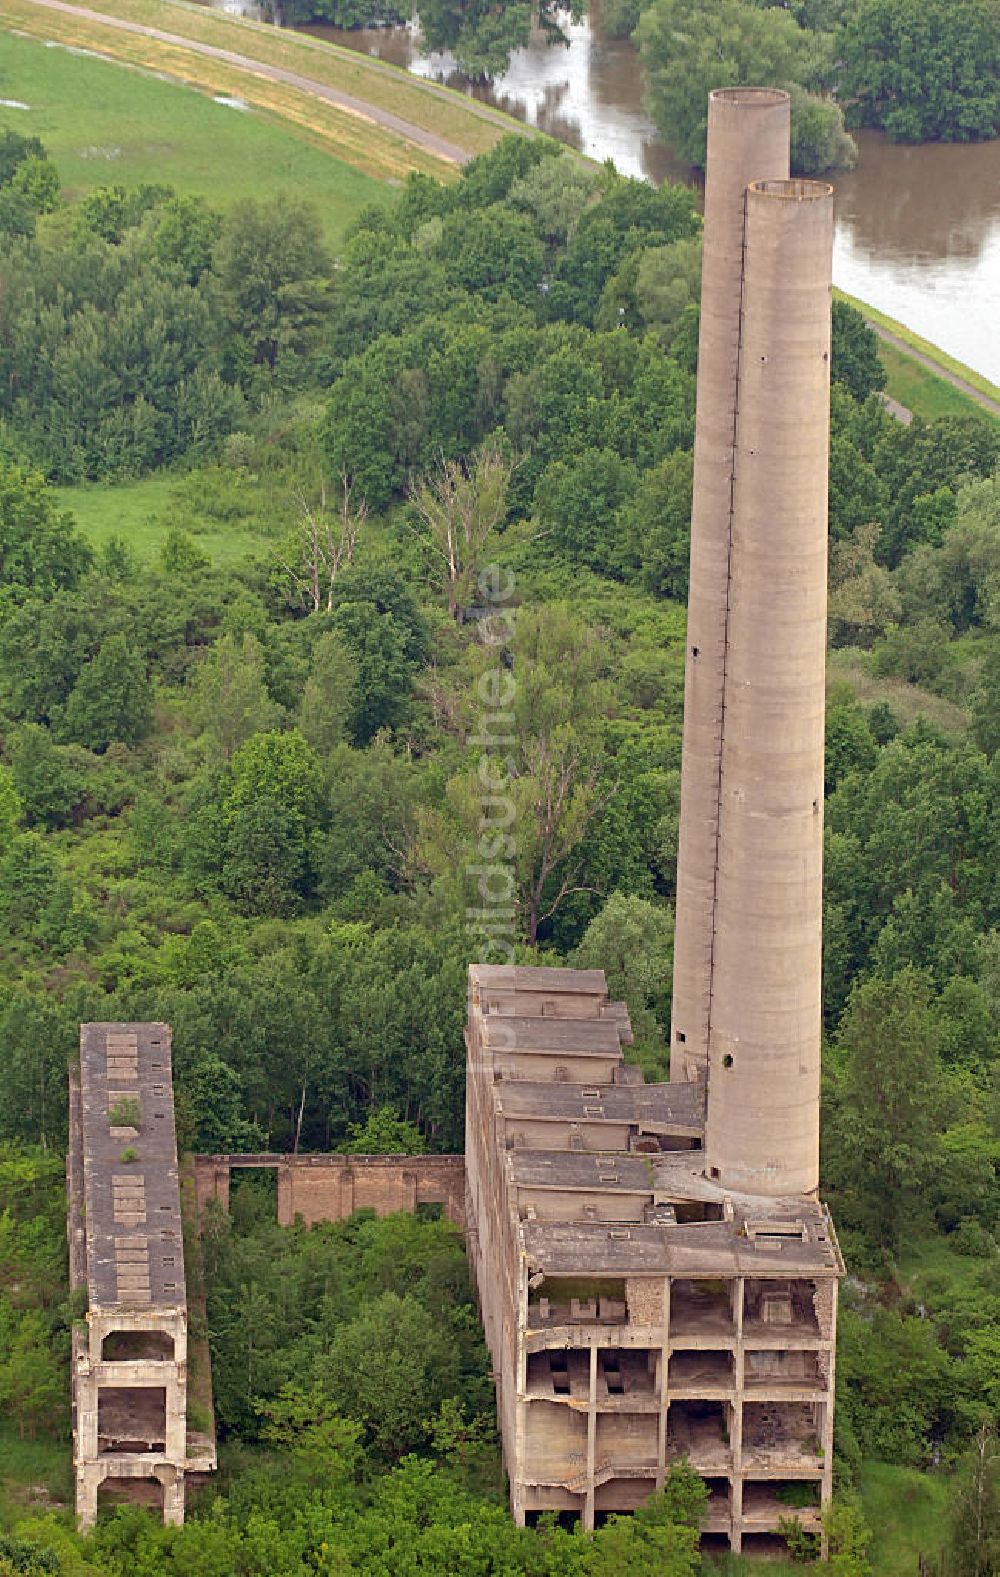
x=933 y=352
x=381 y=154
x=922 y=391
x=430 y=106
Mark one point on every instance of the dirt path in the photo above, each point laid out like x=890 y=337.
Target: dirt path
x=901 y=412
x=343 y=101
x=968 y=389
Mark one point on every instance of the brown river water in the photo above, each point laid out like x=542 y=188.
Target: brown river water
x=918 y=228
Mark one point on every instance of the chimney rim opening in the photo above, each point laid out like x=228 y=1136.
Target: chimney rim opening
x=744 y=96
x=792 y=190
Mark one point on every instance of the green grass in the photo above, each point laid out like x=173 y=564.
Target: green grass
x=849 y=665
x=103 y=124
x=143 y=513
x=744 y=1566
x=933 y=1260
x=922 y=391
x=906 y=1511
x=430 y=105
x=35 y=1475
x=916 y=342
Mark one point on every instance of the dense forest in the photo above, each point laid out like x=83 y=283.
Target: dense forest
x=920 y=70
x=242 y=795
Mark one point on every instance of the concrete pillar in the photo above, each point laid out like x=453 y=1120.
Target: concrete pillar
x=211 y=1181
x=346 y=1193
x=762 y=1133
x=89 y=1478
x=173 y=1496
x=739 y=1360
x=175 y=1445
x=587 y=1520
x=286 y=1193
x=86 y=1414
x=748 y=140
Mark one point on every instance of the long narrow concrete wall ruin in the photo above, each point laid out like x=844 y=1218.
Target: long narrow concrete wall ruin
x=332 y=1187
x=130 y=1356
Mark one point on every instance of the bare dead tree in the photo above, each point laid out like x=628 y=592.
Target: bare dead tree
x=329 y=537
x=462 y=502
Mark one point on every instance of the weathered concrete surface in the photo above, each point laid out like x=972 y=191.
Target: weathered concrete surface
x=129 y=1362
x=333 y=1187
x=748 y=140
x=766 y=1009
x=747 y=970
x=635 y=1310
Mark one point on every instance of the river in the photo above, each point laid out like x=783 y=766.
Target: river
x=918 y=228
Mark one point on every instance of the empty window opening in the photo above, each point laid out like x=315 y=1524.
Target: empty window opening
x=146 y=1492
x=707 y=1372
x=571 y=1299
x=617 y=1495
x=716 y=1544
x=701 y=1308
x=611 y=1369
x=562 y=1373
x=559 y=1371
x=699 y=1429
x=136 y=1346
x=631 y=1373
x=131 y=1419
x=568 y=1520
x=689 y=1210
x=783 y=1497
x=719 y=1498
x=770 y=1304
x=765 y=1546
x=780 y=1370
x=783 y=1435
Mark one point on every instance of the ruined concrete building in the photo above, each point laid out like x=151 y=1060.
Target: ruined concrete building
x=130 y=1356
x=657 y=1276
x=636 y=1311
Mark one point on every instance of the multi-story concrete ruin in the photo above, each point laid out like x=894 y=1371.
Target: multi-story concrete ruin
x=658 y=1278
x=130 y=1359
x=636 y=1311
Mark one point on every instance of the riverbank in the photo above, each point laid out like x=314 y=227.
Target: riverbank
x=923 y=377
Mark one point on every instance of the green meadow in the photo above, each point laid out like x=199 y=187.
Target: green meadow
x=103 y=123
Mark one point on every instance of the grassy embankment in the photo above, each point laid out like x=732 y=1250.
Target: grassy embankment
x=35 y=1475
x=922 y=390
x=377 y=151
x=102 y=124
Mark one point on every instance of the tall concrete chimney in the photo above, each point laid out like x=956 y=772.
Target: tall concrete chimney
x=749 y=892
x=748 y=140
